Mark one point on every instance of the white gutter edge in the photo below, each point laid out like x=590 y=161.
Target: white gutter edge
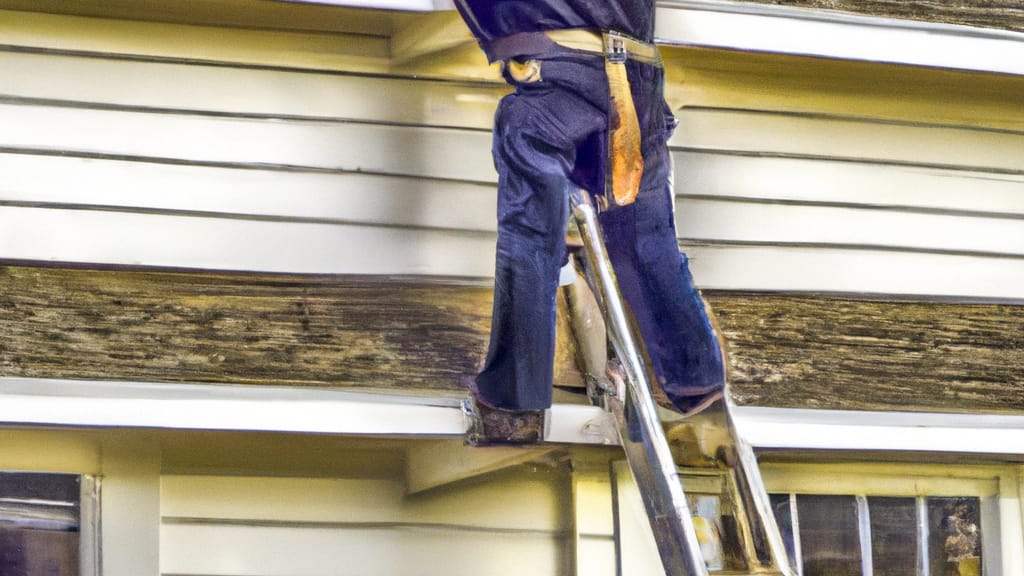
x=881 y=431
x=72 y=403
x=723 y=24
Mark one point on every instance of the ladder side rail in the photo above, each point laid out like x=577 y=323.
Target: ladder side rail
x=644 y=443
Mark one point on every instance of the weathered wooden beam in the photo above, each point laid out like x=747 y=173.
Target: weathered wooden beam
x=415 y=335
x=1003 y=14
x=429 y=336
x=806 y=352
x=313 y=331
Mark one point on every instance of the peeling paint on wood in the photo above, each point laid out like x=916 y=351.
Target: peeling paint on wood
x=806 y=352
x=428 y=336
x=157 y=326
x=1003 y=14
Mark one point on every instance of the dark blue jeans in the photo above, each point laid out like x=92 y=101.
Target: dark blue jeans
x=550 y=136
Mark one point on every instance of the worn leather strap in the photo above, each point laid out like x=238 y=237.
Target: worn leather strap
x=626 y=162
x=536 y=44
x=589 y=40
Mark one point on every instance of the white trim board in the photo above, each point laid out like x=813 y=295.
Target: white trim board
x=42 y=402
x=722 y=24
x=881 y=431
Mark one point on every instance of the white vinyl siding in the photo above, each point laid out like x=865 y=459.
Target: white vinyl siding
x=121 y=146
x=234 y=526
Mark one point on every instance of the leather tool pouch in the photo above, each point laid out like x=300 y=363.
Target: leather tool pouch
x=625 y=160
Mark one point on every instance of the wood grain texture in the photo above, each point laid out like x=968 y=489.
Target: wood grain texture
x=425 y=336
x=1004 y=14
x=156 y=326
x=409 y=335
x=806 y=352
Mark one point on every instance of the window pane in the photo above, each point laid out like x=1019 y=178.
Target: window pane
x=784 y=518
x=38 y=486
x=38 y=553
x=829 y=538
x=714 y=520
x=39 y=522
x=893 y=536
x=707 y=522
x=954 y=542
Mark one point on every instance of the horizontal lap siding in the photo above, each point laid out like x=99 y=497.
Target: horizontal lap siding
x=296 y=551
x=245 y=167
x=113 y=238
x=247 y=142
x=867 y=271
x=727 y=221
x=801 y=202
x=256 y=193
x=362 y=50
x=855 y=184
x=257 y=169
x=235 y=526
x=246 y=90
x=849 y=139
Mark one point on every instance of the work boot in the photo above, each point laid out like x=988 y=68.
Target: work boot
x=497 y=427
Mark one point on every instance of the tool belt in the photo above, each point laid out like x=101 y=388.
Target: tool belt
x=609 y=43
x=625 y=159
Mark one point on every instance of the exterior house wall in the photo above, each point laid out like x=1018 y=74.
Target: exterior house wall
x=201 y=503
x=239 y=147
x=226 y=504
x=120 y=147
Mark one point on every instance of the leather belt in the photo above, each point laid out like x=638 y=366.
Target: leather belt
x=612 y=45
x=535 y=44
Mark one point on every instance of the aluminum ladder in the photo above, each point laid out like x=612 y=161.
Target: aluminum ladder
x=665 y=454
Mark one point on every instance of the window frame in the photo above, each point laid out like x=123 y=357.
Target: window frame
x=997 y=488
x=88 y=532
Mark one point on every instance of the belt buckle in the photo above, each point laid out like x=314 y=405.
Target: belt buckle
x=615 y=48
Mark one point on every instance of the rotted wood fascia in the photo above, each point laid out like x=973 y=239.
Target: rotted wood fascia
x=807 y=352
x=428 y=337
x=998 y=14
x=239 y=329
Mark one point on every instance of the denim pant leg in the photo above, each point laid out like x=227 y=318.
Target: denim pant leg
x=656 y=282
x=536 y=134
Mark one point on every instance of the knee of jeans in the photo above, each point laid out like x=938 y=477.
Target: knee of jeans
x=535 y=208
x=529 y=240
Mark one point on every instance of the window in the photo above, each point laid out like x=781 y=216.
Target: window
x=45 y=530
x=846 y=535
x=852 y=518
